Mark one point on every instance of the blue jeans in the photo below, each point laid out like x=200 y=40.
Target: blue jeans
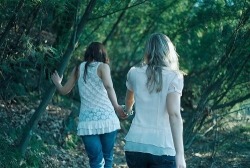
x=100 y=149
x=146 y=160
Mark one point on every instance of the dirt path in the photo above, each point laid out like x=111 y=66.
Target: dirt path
x=66 y=150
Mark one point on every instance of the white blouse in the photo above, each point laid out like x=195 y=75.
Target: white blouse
x=150 y=130
x=97 y=115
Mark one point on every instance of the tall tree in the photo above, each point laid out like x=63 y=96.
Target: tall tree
x=26 y=136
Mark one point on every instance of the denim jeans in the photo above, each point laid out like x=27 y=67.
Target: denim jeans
x=99 y=149
x=146 y=160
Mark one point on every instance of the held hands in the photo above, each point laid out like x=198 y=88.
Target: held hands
x=120 y=112
x=56 y=78
x=126 y=111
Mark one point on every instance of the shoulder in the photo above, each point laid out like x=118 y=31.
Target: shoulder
x=81 y=65
x=103 y=67
x=133 y=69
x=137 y=69
x=178 y=79
x=174 y=73
x=178 y=74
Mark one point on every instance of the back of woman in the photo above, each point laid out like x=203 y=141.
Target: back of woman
x=153 y=139
x=151 y=112
x=98 y=123
x=96 y=109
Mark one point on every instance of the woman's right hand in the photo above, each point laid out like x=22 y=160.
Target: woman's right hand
x=180 y=161
x=56 y=78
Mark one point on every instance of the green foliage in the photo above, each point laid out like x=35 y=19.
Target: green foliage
x=9 y=155
x=34 y=154
x=211 y=37
x=71 y=141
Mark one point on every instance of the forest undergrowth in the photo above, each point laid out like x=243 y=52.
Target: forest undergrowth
x=54 y=143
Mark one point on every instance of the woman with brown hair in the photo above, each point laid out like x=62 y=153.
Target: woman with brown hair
x=98 y=122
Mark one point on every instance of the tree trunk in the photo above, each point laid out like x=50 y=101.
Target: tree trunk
x=115 y=25
x=29 y=22
x=217 y=89
x=28 y=130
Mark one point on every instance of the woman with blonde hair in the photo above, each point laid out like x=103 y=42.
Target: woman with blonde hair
x=155 y=138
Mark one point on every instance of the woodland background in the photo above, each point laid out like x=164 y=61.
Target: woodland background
x=37 y=125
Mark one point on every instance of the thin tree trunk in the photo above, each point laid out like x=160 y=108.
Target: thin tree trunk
x=115 y=25
x=29 y=22
x=26 y=136
x=217 y=81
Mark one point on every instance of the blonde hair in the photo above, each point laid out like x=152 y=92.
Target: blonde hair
x=159 y=52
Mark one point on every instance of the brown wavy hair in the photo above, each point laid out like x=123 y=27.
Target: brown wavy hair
x=94 y=52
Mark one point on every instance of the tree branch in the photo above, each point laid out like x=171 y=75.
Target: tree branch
x=232 y=103
x=122 y=9
x=115 y=25
x=28 y=130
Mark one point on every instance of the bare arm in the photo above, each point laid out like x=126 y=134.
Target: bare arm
x=64 y=89
x=108 y=84
x=173 y=107
x=129 y=100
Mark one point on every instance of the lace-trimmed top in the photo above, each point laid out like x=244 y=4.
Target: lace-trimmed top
x=97 y=115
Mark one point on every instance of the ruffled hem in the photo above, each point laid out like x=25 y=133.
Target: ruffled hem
x=148 y=148
x=161 y=138
x=97 y=127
